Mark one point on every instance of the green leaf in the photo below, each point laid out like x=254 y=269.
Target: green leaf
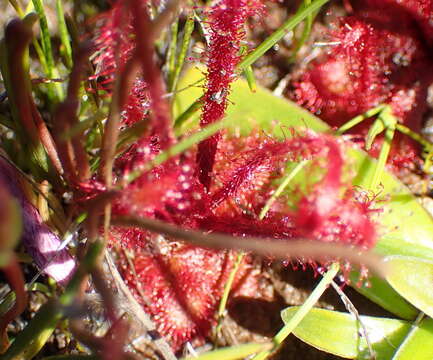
x=339 y=333
x=413 y=278
x=262 y=110
x=231 y=353
x=418 y=344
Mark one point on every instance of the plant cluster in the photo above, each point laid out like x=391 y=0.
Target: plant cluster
x=118 y=164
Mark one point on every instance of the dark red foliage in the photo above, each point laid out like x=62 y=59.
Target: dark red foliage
x=114 y=46
x=377 y=56
x=420 y=12
x=180 y=284
x=220 y=186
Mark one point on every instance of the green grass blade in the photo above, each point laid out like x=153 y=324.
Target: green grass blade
x=64 y=35
x=31 y=340
x=177 y=149
x=17 y=7
x=187 y=114
x=302 y=311
x=306 y=31
x=227 y=288
x=251 y=79
x=46 y=39
x=171 y=54
x=358 y=119
x=231 y=353
x=289 y=177
x=55 y=91
x=189 y=28
x=280 y=33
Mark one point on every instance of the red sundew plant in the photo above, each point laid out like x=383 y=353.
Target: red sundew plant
x=169 y=208
x=226 y=24
x=373 y=55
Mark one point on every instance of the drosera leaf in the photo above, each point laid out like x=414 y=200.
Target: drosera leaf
x=262 y=110
x=338 y=333
x=412 y=278
x=418 y=344
x=232 y=352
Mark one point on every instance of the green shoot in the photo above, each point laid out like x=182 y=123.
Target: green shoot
x=177 y=149
x=171 y=54
x=231 y=353
x=64 y=35
x=47 y=51
x=302 y=312
x=287 y=179
x=276 y=36
x=189 y=28
x=227 y=288
x=358 y=119
x=308 y=23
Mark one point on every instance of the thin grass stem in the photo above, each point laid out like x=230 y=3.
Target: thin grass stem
x=302 y=312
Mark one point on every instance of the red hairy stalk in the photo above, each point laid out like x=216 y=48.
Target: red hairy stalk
x=114 y=47
x=226 y=27
x=145 y=36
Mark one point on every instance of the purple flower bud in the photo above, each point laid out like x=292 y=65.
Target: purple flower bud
x=42 y=244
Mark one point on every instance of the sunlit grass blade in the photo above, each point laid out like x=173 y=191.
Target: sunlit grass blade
x=187 y=114
x=280 y=33
x=302 y=311
x=308 y=24
x=231 y=353
x=51 y=71
x=64 y=35
x=17 y=7
x=251 y=79
x=227 y=288
x=248 y=72
x=46 y=38
x=289 y=177
x=389 y=122
x=358 y=119
x=177 y=149
x=189 y=28
x=171 y=54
